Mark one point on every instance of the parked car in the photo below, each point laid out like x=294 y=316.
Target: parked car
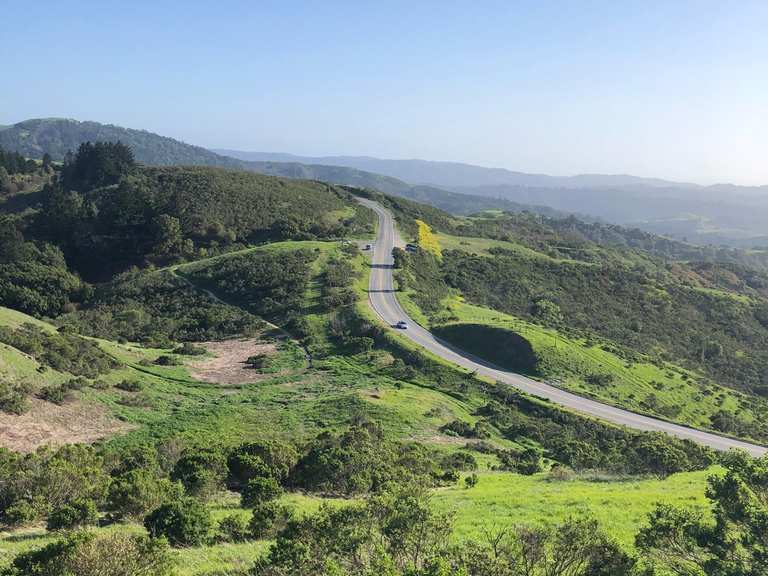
x=367 y=247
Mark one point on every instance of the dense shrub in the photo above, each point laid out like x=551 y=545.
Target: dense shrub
x=268 y=518
x=91 y=554
x=270 y=459
x=267 y=283
x=259 y=490
x=232 y=528
x=137 y=492
x=50 y=479
x=184 y=522
x=202 y=471
x=77 y=514
x=158 y=308
x=60 y=351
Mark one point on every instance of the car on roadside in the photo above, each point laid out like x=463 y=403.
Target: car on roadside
x=402 y=325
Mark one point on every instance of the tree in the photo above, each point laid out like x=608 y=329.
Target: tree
x=259 y=490
x=98 y=165
x=138 y=492
x=269 y=518
x=260 y=459
x=201 y=470
x=79 y=513
x=232 y=528
x=169 y=239
x=5 y=181
x=184 y=522
x=684 y=542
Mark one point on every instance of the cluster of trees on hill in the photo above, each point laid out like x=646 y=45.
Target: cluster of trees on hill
x=270 y=283
x=107 y=213
x=15 y=163
x=34 y=277
x=18 y=173
x=157 y=309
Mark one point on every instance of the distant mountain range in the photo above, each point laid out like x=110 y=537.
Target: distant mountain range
x=720 y=214
x=455 y=174
x=57 y=136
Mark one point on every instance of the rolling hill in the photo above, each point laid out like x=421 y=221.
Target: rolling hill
x=718 y=214
x=57 y=136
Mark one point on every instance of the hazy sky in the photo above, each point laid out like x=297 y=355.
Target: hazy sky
x=671 y=89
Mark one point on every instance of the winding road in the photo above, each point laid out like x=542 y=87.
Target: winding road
x=383 y=300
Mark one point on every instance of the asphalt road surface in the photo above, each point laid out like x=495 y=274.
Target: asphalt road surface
x=383 y=300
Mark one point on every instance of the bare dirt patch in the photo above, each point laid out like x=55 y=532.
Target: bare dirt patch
x=47 y=423
x=228 y=364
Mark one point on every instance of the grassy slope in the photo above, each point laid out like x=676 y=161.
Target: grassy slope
x=680 y=395
x=569 y=361
x=304 y=402
x=501 y=499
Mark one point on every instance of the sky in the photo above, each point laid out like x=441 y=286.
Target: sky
x=670 y=89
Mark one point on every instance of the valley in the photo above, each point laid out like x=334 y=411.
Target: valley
x=215 y=345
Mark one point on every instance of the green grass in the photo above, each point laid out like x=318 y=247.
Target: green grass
x=499 y=499
x=481 y=246
x=298 y=403
x=502 y=498
x=198 y=561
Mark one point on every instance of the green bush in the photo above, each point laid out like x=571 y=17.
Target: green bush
x=189 y=349
x=259 y=490
x=92 y=554
x=20 y=513
x=259 y=459
x=166 y=360
x=202 y=471
x=137 y=492
x=268 y=519
x=132 y=385
x=184 y=522
x=76 y=514
x=233 y=528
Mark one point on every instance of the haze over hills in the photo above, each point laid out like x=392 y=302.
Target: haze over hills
x=454 y=174
x=721 y=213
x=57 y=136
x=718 y=214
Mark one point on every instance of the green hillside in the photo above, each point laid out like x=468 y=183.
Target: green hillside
x=191 y=355
x=680 y=339
x=58 y=136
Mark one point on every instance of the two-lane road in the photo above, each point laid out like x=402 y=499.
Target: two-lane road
x=383 y=300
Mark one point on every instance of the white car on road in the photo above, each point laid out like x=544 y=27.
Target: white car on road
x=403 y=325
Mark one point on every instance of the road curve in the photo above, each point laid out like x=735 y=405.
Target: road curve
x=383 y=300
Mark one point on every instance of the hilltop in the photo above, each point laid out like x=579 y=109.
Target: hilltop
x=57 y=136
